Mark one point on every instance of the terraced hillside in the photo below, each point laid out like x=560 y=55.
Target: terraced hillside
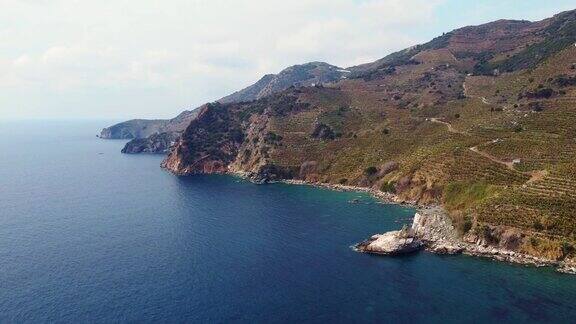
x=481 y=120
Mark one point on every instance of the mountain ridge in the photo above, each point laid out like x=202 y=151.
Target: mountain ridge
x=156 y=136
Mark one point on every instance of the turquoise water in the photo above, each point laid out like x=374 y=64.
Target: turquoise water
x=89 y=234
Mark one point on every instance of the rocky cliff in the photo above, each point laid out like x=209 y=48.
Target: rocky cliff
x=480 y=120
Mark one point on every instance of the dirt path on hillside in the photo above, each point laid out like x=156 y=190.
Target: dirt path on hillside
x=535 y=176
x=509 y=165
x=451 y=129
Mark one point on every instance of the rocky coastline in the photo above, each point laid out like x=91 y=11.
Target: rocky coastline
x=431 y=230
x=380 y=195
x=434 y=232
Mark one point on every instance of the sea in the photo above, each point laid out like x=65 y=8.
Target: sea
x=90 y=235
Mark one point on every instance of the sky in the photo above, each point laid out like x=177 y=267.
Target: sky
x=123 y=59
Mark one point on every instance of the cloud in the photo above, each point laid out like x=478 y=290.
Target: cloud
x=181 y=51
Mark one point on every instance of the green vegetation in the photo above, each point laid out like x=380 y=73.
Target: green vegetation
x=540 y=93
x=464 y=195
x=389 y=187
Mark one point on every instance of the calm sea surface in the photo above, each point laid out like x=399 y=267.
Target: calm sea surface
x=91 y=235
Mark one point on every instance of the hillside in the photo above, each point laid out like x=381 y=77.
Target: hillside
x=155 y=136
x=142 y=128
x=481 y=120
x=135 y=128
x=298 y=75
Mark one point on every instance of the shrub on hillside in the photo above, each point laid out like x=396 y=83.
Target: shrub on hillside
x=370 y=171
x=389 y=187
x=540 y=93
x=564 y=81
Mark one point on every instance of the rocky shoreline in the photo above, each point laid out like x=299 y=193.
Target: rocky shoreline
x=434 y=231
x=431 y=230
x=382 y=196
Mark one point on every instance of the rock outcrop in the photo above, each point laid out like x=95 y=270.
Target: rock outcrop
x=392 y=243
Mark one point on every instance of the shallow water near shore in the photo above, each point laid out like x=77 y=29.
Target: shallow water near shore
x=89 y=234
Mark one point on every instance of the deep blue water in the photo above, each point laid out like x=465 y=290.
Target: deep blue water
x=89 y=234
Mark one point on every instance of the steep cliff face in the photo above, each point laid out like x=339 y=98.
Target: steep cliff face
x=210 y=142
x=497 y=150
x=232 y=137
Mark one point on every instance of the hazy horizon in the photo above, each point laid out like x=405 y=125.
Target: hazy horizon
x=117 y=60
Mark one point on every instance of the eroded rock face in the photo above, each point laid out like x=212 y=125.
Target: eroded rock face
x=432 y=229
x=433 y=226
x=392 y=243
